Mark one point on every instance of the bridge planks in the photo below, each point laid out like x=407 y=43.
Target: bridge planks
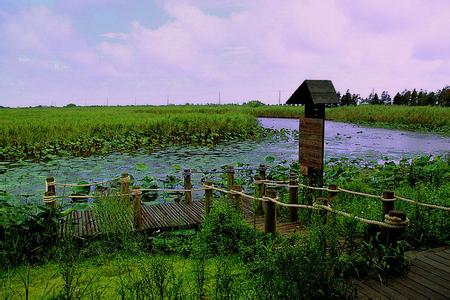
x=428 y=278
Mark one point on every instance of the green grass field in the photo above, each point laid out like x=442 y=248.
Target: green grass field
x=36 y=133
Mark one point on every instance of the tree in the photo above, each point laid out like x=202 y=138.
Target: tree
x=443 y=97
x=254 y=103
x=374 y=99
x=386 y=98
x=397 y=99
x=413 y=98
x=349 y=99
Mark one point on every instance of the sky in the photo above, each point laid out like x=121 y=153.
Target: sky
x=98 y=52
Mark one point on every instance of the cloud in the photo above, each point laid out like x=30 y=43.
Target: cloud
x=115 y=36
x=246 y=50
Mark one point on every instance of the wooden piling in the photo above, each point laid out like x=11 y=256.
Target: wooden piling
x=270 y=216
x=137 y=212
x=50 y=192
x=388 y=200
x=187 y=186
x=394 y=234
x=293 y=197
x=238 y=200
x=230 y=179
x=261 y=187
x=125 y=186
x=332 y=192
x=258 y=206
x=208 y=197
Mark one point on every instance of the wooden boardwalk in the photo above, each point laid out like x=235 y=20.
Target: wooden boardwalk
x=164 y=216
x=428 y=278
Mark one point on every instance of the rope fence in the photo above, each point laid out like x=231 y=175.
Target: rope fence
x=389 y=221
x=393 y=221
x=339 y=189
x=276 y=183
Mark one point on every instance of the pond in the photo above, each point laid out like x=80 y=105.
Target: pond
x=26 y=179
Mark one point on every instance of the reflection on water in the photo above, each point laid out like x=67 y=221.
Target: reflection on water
x=342 y=139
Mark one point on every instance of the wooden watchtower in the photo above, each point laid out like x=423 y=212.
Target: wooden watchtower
x=314 y=95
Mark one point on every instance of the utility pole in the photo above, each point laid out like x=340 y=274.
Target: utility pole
x=279 y=97
x=134 y=100
x=107 y=101
x=219 y=98
x=167 y=99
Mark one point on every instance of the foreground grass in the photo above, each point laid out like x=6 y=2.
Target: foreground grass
x=39 y=133
x=105 y=278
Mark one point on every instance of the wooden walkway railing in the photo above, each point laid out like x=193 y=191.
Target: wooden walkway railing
x=190 y=212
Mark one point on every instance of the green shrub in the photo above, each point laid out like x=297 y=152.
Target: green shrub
x=114 y=216
x=27 y=232
x=224 y=230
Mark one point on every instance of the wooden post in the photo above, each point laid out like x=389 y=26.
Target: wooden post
x=270 y=216
x=50 y=192
x=293 y=197
x=332 y=192
x=394 y=234
x=238 y=199
x=258 y=206
x=208 y=197
x=187 y=186
x=230 y=177
x=136 y=193
x=262 y=188
x=125 y=186
x=388 y=204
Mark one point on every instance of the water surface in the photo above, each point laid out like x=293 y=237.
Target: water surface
x=26 y=180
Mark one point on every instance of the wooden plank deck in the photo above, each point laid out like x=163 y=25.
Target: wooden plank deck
x=428 y=278
x=163 y=216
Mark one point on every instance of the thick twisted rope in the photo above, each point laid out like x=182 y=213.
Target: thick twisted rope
x=87 y=184
x=49 y=199
x=395 y=222
x=326 y=189
x=390 y=222
x=422 y=204
x=173 y=190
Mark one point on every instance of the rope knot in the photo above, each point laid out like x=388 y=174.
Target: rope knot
x=125 y=179
x=49 y=199
x=136 y=192
x=387 y=199
x=395 y=222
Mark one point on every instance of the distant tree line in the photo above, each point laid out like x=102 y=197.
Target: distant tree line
x=407 y=97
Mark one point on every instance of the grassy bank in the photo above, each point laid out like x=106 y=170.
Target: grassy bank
x=39 y=133
x=420 y=118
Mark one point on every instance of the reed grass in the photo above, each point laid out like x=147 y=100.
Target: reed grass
x=37 y=133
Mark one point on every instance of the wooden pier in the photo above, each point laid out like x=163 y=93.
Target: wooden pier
x=428 y=278
x=164 y=216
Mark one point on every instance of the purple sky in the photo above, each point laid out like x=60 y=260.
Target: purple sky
x=87 y=51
